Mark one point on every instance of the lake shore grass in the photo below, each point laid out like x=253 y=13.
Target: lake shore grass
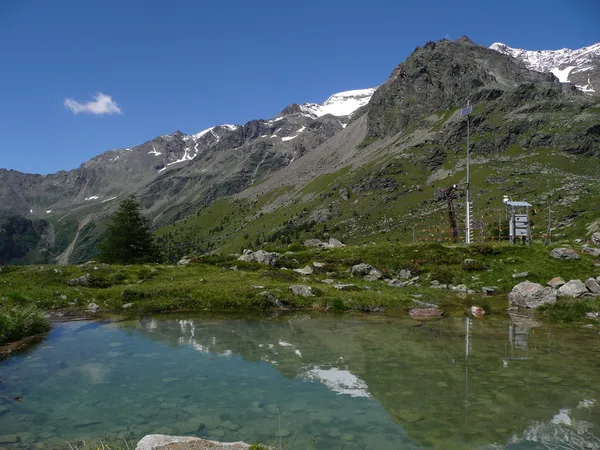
x=222 y=283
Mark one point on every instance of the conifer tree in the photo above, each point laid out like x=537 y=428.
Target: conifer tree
x=128 y=239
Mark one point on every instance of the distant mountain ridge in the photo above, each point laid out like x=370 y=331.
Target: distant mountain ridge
x=580 y=67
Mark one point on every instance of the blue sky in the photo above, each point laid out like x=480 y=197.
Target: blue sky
x=191 y=64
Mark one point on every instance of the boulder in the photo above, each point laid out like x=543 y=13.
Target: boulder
x=305 y=271
x=260 y=256
x=346 y=287
x=374 y=275
x=93 y=307
x=184 y=261
x=334 y=243
x=520 y=275
x=318 y=243
x=574 y=289
x=361 y=270
x=319 y=265
x=477 y=311
x=596 y=238
x=556 y=282
x=301 y=290
x=531 y=295
x=592 y=285
x=425 y=313
x=83 y=280
x=397 y=283
x=127 y=305
x=595 y=252
x=564 y=253
x=405 y=274
x=161 y=442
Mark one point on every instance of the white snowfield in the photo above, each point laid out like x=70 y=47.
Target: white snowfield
x=561 y=62
x=340 y=104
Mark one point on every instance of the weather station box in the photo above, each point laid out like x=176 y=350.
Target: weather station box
x=521 y=220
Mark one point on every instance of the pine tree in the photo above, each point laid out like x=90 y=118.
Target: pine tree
x=128 y=239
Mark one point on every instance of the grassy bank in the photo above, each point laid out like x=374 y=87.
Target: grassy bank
x=19 y=322
x=209 y=283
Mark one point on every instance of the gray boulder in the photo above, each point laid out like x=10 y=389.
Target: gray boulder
x=305 y=271
x=556 y=282
x=184 y=261
x=596 y=238
x=592 y=285
x=374 y=275
x=564 y=253
x=397 y=283
x=574 y=289
x=361 y=270
x=92 y=307
x=405 y=274
x=161 y=441
x=531 y=295
x=520 y=275
x=345 y=287
x=319 y=265
x=314 y=243
x=595 y=252
x=334 y=243
x=127 y=305
x=489 y=290
x=301 y=290
x=260 y=256
x=83 y=280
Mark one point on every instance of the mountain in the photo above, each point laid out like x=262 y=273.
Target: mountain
x=580 y=67
x=363 y=165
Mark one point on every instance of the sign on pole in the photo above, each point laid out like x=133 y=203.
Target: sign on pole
x=465 y=111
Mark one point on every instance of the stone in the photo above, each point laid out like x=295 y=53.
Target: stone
x=459 y=288
x=274 y=300
x=425 y=313
x=405 y=274
x=477 y=311
x=592 y=285
x=318 y=265
x=595 y=252
x=161 y=441
x=361 y=270
x=93 y=307
x=83 y=280
x=556 y=282
x=334 y=243
x=592 y=315
x=344 y=193
x=345 y=287
x=531 y=295
x=260 y=256
x=184 y=261
x=374 y=275
x=596 y=238
x=564 y=253
x=328 y=281
x=419 y=304
x=127 y=305
x=397 y=283
x=489 y=290
x=574 y=289
x=305 y=271
x=520 y=275
x=302 y=290
x=229 y=425
x=314 y=243
x=9 y=439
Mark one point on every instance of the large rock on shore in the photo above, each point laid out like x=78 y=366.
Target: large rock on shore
x=564 y=253
x=574 y=288
x=163 y=442
x=531 y=295
x=260 y=257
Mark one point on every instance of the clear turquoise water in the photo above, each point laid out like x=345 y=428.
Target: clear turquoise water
x=318 y=381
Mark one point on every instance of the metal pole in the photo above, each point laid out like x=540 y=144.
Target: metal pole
x=499 y=226
x=468 y=231
x=548 y=235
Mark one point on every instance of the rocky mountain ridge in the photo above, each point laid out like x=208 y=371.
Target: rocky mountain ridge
x=580 y=67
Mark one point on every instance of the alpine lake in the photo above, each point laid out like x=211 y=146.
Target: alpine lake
x=308 y=380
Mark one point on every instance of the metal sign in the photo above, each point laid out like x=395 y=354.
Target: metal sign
x=465 y=111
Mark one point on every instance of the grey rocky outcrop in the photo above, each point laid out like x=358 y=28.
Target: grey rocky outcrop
x=574 y=289
x=334 y=243
x=531 y=295
x=405 y=274
x=260 y=256
x=556 y=282
x=93 y=307
x=595 y=252
x=592 y=285
x=367 y=271
x=596 y=238
x=83 y=280
x=302 y=290
x=162 y=442
x=317 y=243
x=564 y=253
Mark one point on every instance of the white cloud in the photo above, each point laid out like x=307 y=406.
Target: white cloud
x=102 y=104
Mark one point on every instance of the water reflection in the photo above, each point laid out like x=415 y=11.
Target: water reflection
x=352 y=382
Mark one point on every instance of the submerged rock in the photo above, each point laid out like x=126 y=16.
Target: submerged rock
x=425 y=313
x=161 y=441
x=564 y=253
x=531 y=295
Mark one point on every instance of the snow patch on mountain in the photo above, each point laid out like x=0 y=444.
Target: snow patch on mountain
x=563 y=63
x=340 y=104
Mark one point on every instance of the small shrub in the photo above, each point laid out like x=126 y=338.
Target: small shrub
x=295 y=247
x=100 y=282
x=338 y=305
x=567 y=311
x=444 y=275
x=17 y=298
x=21 y=322
x=129 y=295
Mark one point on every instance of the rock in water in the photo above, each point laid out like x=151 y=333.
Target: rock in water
x=592 y=285
x=564 y=253
x=556 y=282
x=574 y=289
x=477 y=311
x=531 y=295
x=161 y=441
x=425 y=313
x=260 y=256
x=302 y=291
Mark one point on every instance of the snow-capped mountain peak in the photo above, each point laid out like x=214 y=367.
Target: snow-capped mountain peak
x=340 y=104
x=580 y=67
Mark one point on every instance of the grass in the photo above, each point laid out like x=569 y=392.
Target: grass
x=21 y=321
